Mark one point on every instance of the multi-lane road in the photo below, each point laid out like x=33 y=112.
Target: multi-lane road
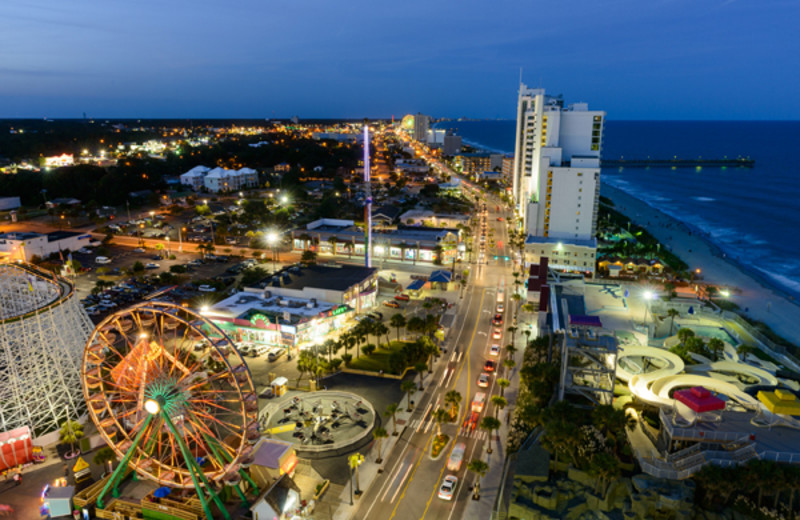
x=408 y=487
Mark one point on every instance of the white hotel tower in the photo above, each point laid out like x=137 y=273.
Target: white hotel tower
x=556 y=179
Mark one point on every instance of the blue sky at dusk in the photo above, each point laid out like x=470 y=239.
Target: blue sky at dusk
x=652 y=59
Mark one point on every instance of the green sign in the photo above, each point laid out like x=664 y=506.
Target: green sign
x=340 y=310
x=258 y=316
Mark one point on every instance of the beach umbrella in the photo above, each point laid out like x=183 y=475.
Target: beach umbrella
x=162 y=492
x=691 y=310
x=627 y=293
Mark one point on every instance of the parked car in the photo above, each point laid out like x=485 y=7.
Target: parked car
x=102 y=260
x=392 y=304
x=152 y=266
x=206 y=288
x=402 y=297
x=139 y=250
x=275 y=353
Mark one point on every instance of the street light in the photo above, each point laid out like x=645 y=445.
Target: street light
x=648 y=295
x=272 y=240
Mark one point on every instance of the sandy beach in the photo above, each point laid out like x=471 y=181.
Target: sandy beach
x=761 y=301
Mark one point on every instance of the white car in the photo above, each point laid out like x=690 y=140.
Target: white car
x=152 y=266
x=494 y=350
x=102 y=260
x=483 y=380
x=206 y=288
x=139 y=250
x=497 y=334
x=448 y=487
x=85 y=251
x=500 y=308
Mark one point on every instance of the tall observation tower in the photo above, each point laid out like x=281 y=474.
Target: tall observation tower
x=368 y=207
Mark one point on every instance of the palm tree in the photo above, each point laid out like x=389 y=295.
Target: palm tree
x=398 y=321
x=672 y=313
x=379 y=434
x=354 y=461
x=420 y=369
x=717 y=347
x=71 y=432
x=480 y=468
x=391 y=410
x=511 y=350
x=379 y=329
x=509 y=364
x=499 y=403
x=684 y=334
x=503 y=384
x=408 y=387
x=453 y=398
x=440 y=416
x=612 y=421
x=489 y=424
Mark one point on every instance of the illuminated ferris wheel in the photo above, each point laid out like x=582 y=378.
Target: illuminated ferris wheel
x=172 y=397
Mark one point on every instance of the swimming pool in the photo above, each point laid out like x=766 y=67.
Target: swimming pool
x=707 y=331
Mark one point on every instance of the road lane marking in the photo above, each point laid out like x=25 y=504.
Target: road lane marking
x=430 y=438
x=390 y=482
x=400 y=486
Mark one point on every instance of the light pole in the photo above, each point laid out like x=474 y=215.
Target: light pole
x=272 y=239
x=648 y=295
x=180 y=239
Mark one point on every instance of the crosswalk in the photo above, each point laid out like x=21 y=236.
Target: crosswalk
x=425 y=426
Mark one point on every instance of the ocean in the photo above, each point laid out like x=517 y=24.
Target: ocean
x=750 y=214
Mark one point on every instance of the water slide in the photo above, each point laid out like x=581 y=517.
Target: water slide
x=654 y=387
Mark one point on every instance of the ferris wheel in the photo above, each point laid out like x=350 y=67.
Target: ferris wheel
x=171 y=395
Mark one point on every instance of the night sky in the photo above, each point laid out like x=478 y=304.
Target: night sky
x=637 y=59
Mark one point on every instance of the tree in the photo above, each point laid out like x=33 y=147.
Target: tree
x=379 y=330
x=308 y=257
x=391 y=411
x=509 y=365
x=398 y=321
x=71 y=432
x=717 y=347
x=347 y=358
x=605 y=468
x=612 y=421
x=453 y=398
x=420 y=369
x=672 y=313
x=368 y=349
x=408 y=387
x=480 y=468
x=685 y=333
x=306 y=363
x=138 y=267
x=499 y=403
x=489 y=424
x=105 y=455
x=503 y=384
x=440 y=416
x=379 y=434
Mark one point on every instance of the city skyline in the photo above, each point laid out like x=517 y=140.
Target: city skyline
x=667 y=60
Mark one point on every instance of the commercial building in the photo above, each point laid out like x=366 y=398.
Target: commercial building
x=556 y=178
x=343 y=237
x=9 y=203
x=479 y=162
x=23 y=245
x=297 y=306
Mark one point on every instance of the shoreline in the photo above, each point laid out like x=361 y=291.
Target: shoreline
x=761 y=298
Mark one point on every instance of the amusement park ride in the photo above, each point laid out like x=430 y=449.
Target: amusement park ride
x=182 y=418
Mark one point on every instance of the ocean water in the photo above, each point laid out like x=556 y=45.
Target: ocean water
x=753 y=215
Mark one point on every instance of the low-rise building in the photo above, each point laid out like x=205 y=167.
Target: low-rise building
x=571 y=255
x=219 y=180
x=343 y=237
x=23 y=245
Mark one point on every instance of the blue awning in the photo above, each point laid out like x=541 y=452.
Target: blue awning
x=416 y=285
x=441 y=276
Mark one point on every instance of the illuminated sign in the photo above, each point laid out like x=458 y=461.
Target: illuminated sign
x=340 y=310
x=255 y=318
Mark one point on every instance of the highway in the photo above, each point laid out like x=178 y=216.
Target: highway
x=408 y=487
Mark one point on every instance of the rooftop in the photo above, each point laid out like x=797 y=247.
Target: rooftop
x=569 y=241
x=332 y=277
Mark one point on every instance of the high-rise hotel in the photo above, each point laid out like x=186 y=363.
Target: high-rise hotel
x=556 y=179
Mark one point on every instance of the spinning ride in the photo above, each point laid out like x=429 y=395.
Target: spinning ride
x=173 y=398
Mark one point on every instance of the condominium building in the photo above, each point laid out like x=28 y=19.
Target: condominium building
x=556 y=178
x=219 y=179
x=421 y=124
